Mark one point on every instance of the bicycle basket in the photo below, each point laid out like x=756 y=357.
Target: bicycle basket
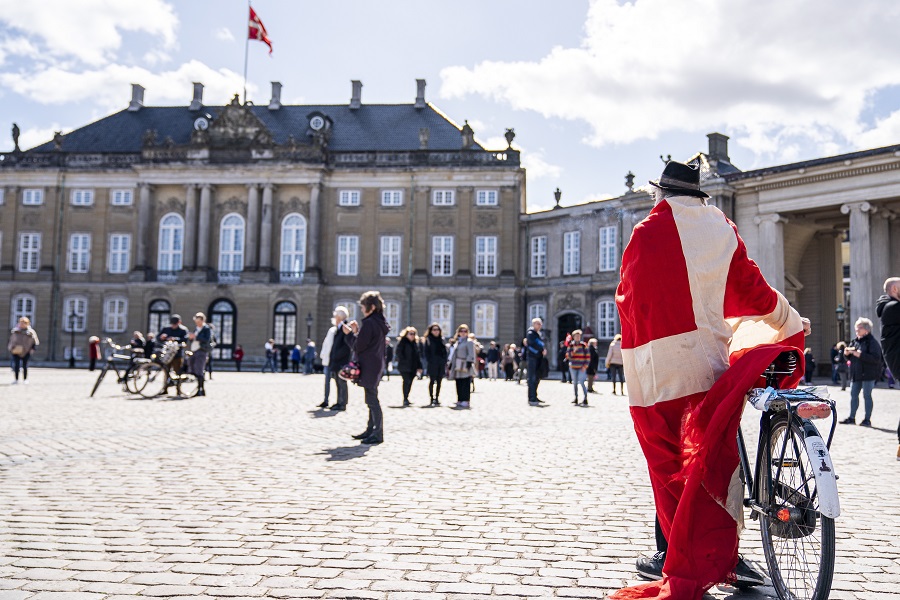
x=168 y=352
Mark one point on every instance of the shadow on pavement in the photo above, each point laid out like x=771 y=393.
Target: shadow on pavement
x=321 y=413
x=345 y=452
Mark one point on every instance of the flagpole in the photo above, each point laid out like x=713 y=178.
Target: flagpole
x=246 y=53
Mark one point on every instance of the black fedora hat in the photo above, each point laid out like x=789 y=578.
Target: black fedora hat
x=681 y=179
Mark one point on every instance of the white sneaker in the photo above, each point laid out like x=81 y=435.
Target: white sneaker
x=24 y=382
x=14 y=382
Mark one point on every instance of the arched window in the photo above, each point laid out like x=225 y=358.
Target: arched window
x=231 y=244
x=484 y=320
x=606 y=319
x=171 y=244
x=285 y=331
x=158 y=316
x=22 y=306
x=115 y=314
x=293 y=247
x=223 y=318
x=392 y=315
x=441 y=312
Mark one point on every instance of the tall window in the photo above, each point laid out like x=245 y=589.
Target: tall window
x=158 y=316
x=348 y=255
x=29 y=252
x=348 y=198
x=536 y=310
x=119 y=252
x=443 y=197
x=22 y=306
x=392 y=315
x=121 y=197
x=392 y=198
x=231 y=244
x=223 y=318
x=115 y=314
x=442 y=255
x=390 y=256
x=75 y=314
x=293 y=246
x=350 y=305
x=79 y=252
x=486 y=256
x=285 y=331
x=539 y=256
x=171 y=243
x=484 y=320
x=606 y=319
x=33 y=196
x=82 y=197
x=571 y=252
x=442 y=314
x=608 y=249
x=486 y=198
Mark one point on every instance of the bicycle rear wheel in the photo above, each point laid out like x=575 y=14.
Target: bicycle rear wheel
x=798 y=540
x=100 y=378
x=188 y=385
x=150 y=379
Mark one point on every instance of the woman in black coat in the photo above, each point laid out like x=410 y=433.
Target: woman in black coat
x=408 y=362
x=435 y=362
x=368 y=343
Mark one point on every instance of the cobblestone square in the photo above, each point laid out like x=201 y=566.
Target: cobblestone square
x=252 y=492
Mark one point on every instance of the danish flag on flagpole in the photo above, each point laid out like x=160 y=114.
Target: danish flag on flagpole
x=257 y=30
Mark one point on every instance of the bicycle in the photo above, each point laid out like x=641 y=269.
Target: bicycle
x=116 y=358
x=155 y=376
x=793 y=489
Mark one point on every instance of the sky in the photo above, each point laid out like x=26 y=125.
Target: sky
x=593 y=88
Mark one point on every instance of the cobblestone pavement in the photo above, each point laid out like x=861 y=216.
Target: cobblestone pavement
x=251 y=492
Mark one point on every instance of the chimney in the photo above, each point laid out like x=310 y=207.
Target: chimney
x=420 y=93
x=197 y=102
x=718 y=147
x=275 y=102
x=356 y=97
x=137 y=97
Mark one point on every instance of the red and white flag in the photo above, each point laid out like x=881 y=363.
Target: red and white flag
x=258 y=30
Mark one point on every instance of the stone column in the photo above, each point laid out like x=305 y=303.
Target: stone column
x=203 y=229
x=312 y=234
x=861 y=284
x=771 y=249
x=142 y=260
x=190 y=227
x=250 y=261
x=830 y=291
x=265 y=236
x=881 y=259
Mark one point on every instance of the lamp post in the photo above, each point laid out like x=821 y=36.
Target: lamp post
x=72 y=319
x=309 y=322
x=840 y=314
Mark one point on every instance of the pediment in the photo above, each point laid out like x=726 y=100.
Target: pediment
x=237 y=127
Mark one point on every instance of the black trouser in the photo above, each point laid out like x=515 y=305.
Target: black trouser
x=510 y=369
x=434 y=387
x=93 y=364
x=23 y=361
x=376 y=425
x=341 y=386
x=463 y=389
x=407 y=384
x=661 y=544
x=534 y=365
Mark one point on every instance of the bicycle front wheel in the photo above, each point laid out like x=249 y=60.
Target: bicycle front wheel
x=150 y=380
x=798 y=540
x=188 y=385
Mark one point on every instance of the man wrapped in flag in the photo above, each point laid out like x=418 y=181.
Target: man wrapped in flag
x=699 y=325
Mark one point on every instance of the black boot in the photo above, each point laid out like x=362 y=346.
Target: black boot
x=363 y=435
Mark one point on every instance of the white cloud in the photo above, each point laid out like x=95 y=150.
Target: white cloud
x=224 y=34
x=803 y=71
x=36 y=136
x=534 y=163
x=88 y=30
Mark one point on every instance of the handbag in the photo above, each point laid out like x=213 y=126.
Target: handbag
x=350 y=372
x=18 y=350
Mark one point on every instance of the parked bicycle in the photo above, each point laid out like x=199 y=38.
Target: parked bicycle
x=793 y=488
x=157 y=375
x=126 y=358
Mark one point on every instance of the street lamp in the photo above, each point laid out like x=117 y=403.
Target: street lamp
x=840 y=314
x=309 y=322
x=72 y=319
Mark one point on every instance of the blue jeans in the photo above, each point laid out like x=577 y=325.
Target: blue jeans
x=327 y=371
x=270 y=364
x=866 y=387
x=579 y=377
x=533 y=379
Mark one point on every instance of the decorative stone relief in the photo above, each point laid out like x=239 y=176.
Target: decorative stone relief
x=174 y=204
x=568 y=301
x=444 y=221
x=485 y=221
x=233 y=204
x=31 y=219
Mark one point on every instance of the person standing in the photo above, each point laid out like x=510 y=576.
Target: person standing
x=435 y=362
x=325 y=356
x=408 y=363
x=810 y=365
x=295 y=359
x=368 y=341
x=340 y=356
x=866 y=362
x=309 y=359
x=462 y=361
x=593 y=364
x=535 y=352
x=579 y=357
x=562 y=362
x=94 y=352
x=284 y=353
x=271 y=351
x=22 y=342
x=388 y=358
x=887 y=307
x=614 y=363
x=201 y=346
x=841 y=364
x=238 y=356
x=493 y=361
x=175 y=332
x=835 y=356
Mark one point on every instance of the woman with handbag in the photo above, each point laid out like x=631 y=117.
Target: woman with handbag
x=462 y=359
x=435 y=362
x=367 y=341
x=22 y=342
x=201 y=346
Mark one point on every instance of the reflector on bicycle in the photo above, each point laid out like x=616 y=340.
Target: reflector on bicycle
x=813 y=410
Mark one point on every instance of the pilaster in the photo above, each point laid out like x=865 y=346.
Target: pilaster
x=771 y=248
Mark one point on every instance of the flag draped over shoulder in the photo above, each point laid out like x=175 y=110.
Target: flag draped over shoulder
x=699 y=325
x=257 y=30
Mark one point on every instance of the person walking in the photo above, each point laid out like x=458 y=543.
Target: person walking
x=408 y=362
x=887 y=307
x=810 y=365
x=462 y=361
x=270 y=356
x=614 y=363
x=579 y=357
x=309 y=358
x=201 y=346
x=238 y=356
x=325 y=356
x=93 y=352
x=22 y=342
x=493 y=361
x=593 y=364
x=435 y=362
x=535 y=352
x=340 y=356
x=295 y=359
x=866 y=361
x=367 y=339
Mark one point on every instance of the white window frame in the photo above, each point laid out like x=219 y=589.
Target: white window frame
x=293 y=245
x=536 y=310
x=392 y=315
x=608 y=245
x=484 y=320
x=571 y=253
x=79 y=306
x=79 y=256
x=118 y=259
x=2 y=196
x=232 y=243
x=351 y=306
x=22 y=305
x=390 y=256
x=79 y=353
x=349 y=197
x=606 y=319
x=441 y=312
x=392 y=197
x=170 y=251
x=82 y=197
x=115 y=314
x=443 y=197
x=29 y=252
x=348 y=255
x=487 y=198
x=442 y=255
x=538 y=246
x=32 y=196
x=486 y=255
x=121 y=197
